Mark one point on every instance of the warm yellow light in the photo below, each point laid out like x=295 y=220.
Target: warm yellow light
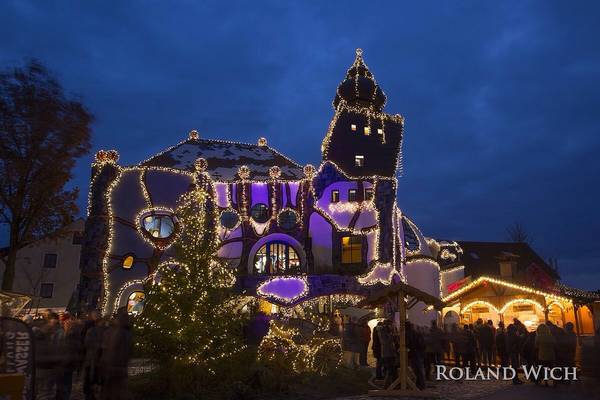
x=128 y=262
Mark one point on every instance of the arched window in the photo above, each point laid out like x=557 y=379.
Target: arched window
x=135 y=303
x=127 y=262
x=275 y=258
x=260 y=213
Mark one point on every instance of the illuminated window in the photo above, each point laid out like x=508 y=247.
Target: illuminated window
x=359 y=161
x=369 y=194
x=288 y=220
x=159 y=225
x=335 y=196
x=229 y=219
x=379 y=131
x=128 y=262
x=260 y=213
x=352 y=195
x=353 y=127
x=135 y=303
x=367 y=130
x=351 y=249
x=276 y=257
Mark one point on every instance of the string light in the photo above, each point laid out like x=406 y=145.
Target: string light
x=478 y=302
x=520 y=301
x=482 y=279
x=378 y=272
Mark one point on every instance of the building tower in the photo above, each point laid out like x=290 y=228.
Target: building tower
x=362 y=140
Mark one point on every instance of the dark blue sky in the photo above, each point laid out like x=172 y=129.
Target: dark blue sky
x=500 y=98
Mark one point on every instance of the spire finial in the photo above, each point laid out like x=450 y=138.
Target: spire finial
x=359 y=53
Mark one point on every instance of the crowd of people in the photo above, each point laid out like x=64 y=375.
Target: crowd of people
x=92 y=349
x=484 y=345
x=471 y=346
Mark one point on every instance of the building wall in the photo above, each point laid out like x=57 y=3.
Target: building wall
x=30 y=273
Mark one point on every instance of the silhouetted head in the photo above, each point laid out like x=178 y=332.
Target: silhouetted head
x=569 y=327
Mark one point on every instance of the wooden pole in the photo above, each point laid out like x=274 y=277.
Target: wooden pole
x=577 y=329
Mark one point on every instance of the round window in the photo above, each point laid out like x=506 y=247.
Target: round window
x=260 y=213
x=288 y=219
x=158 y=225
x=229 y=219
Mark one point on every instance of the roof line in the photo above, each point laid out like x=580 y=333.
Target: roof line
x=189 y=140
x=481 y=279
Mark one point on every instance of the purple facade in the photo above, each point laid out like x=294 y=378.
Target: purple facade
x=292 y=233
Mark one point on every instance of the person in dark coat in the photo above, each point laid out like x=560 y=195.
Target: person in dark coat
x=365 y=338
x=416 y=354
x=434 y=348
x=389 y=352
x=92 y=344
x=71 y=349
x=501 y=345
x=470 y=348
x=47 y=337
x=513 y=348
x=476 y=331
x=486 y=343
x=376 y=347
x=459 y=345
x=117 y=344
x=570 y=345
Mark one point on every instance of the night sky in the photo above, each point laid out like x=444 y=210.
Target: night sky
x=500 y=98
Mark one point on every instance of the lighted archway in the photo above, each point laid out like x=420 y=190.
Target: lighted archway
x=521 y=301
x=530 y=312
x=556 y=313
x=479 y=302
x=477 y=309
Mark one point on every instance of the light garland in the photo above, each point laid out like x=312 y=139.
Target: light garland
x=453 y=269
x=478 y=302
x=379 y=273
x=310 y=357
x=482 y=279
x=305 y=189
x=276 y=289
x=521 y=301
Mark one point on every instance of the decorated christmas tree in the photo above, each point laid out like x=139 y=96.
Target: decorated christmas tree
x=190 y=316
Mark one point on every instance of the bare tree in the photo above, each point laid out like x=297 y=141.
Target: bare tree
x=42 y=133
x=516 y=233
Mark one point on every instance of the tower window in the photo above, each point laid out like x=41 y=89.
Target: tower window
x=359 y=161
x=352 y=195
x=379 y=131
x=369 y=194
x=351 y=249
x=367 y=130
x=353 y=127
x=335 y=196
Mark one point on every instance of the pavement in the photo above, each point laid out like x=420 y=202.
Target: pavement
x=501 y=390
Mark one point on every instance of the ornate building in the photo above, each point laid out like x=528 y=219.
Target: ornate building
x=293 y=233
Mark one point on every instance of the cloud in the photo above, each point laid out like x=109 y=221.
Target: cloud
x=500 y=99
